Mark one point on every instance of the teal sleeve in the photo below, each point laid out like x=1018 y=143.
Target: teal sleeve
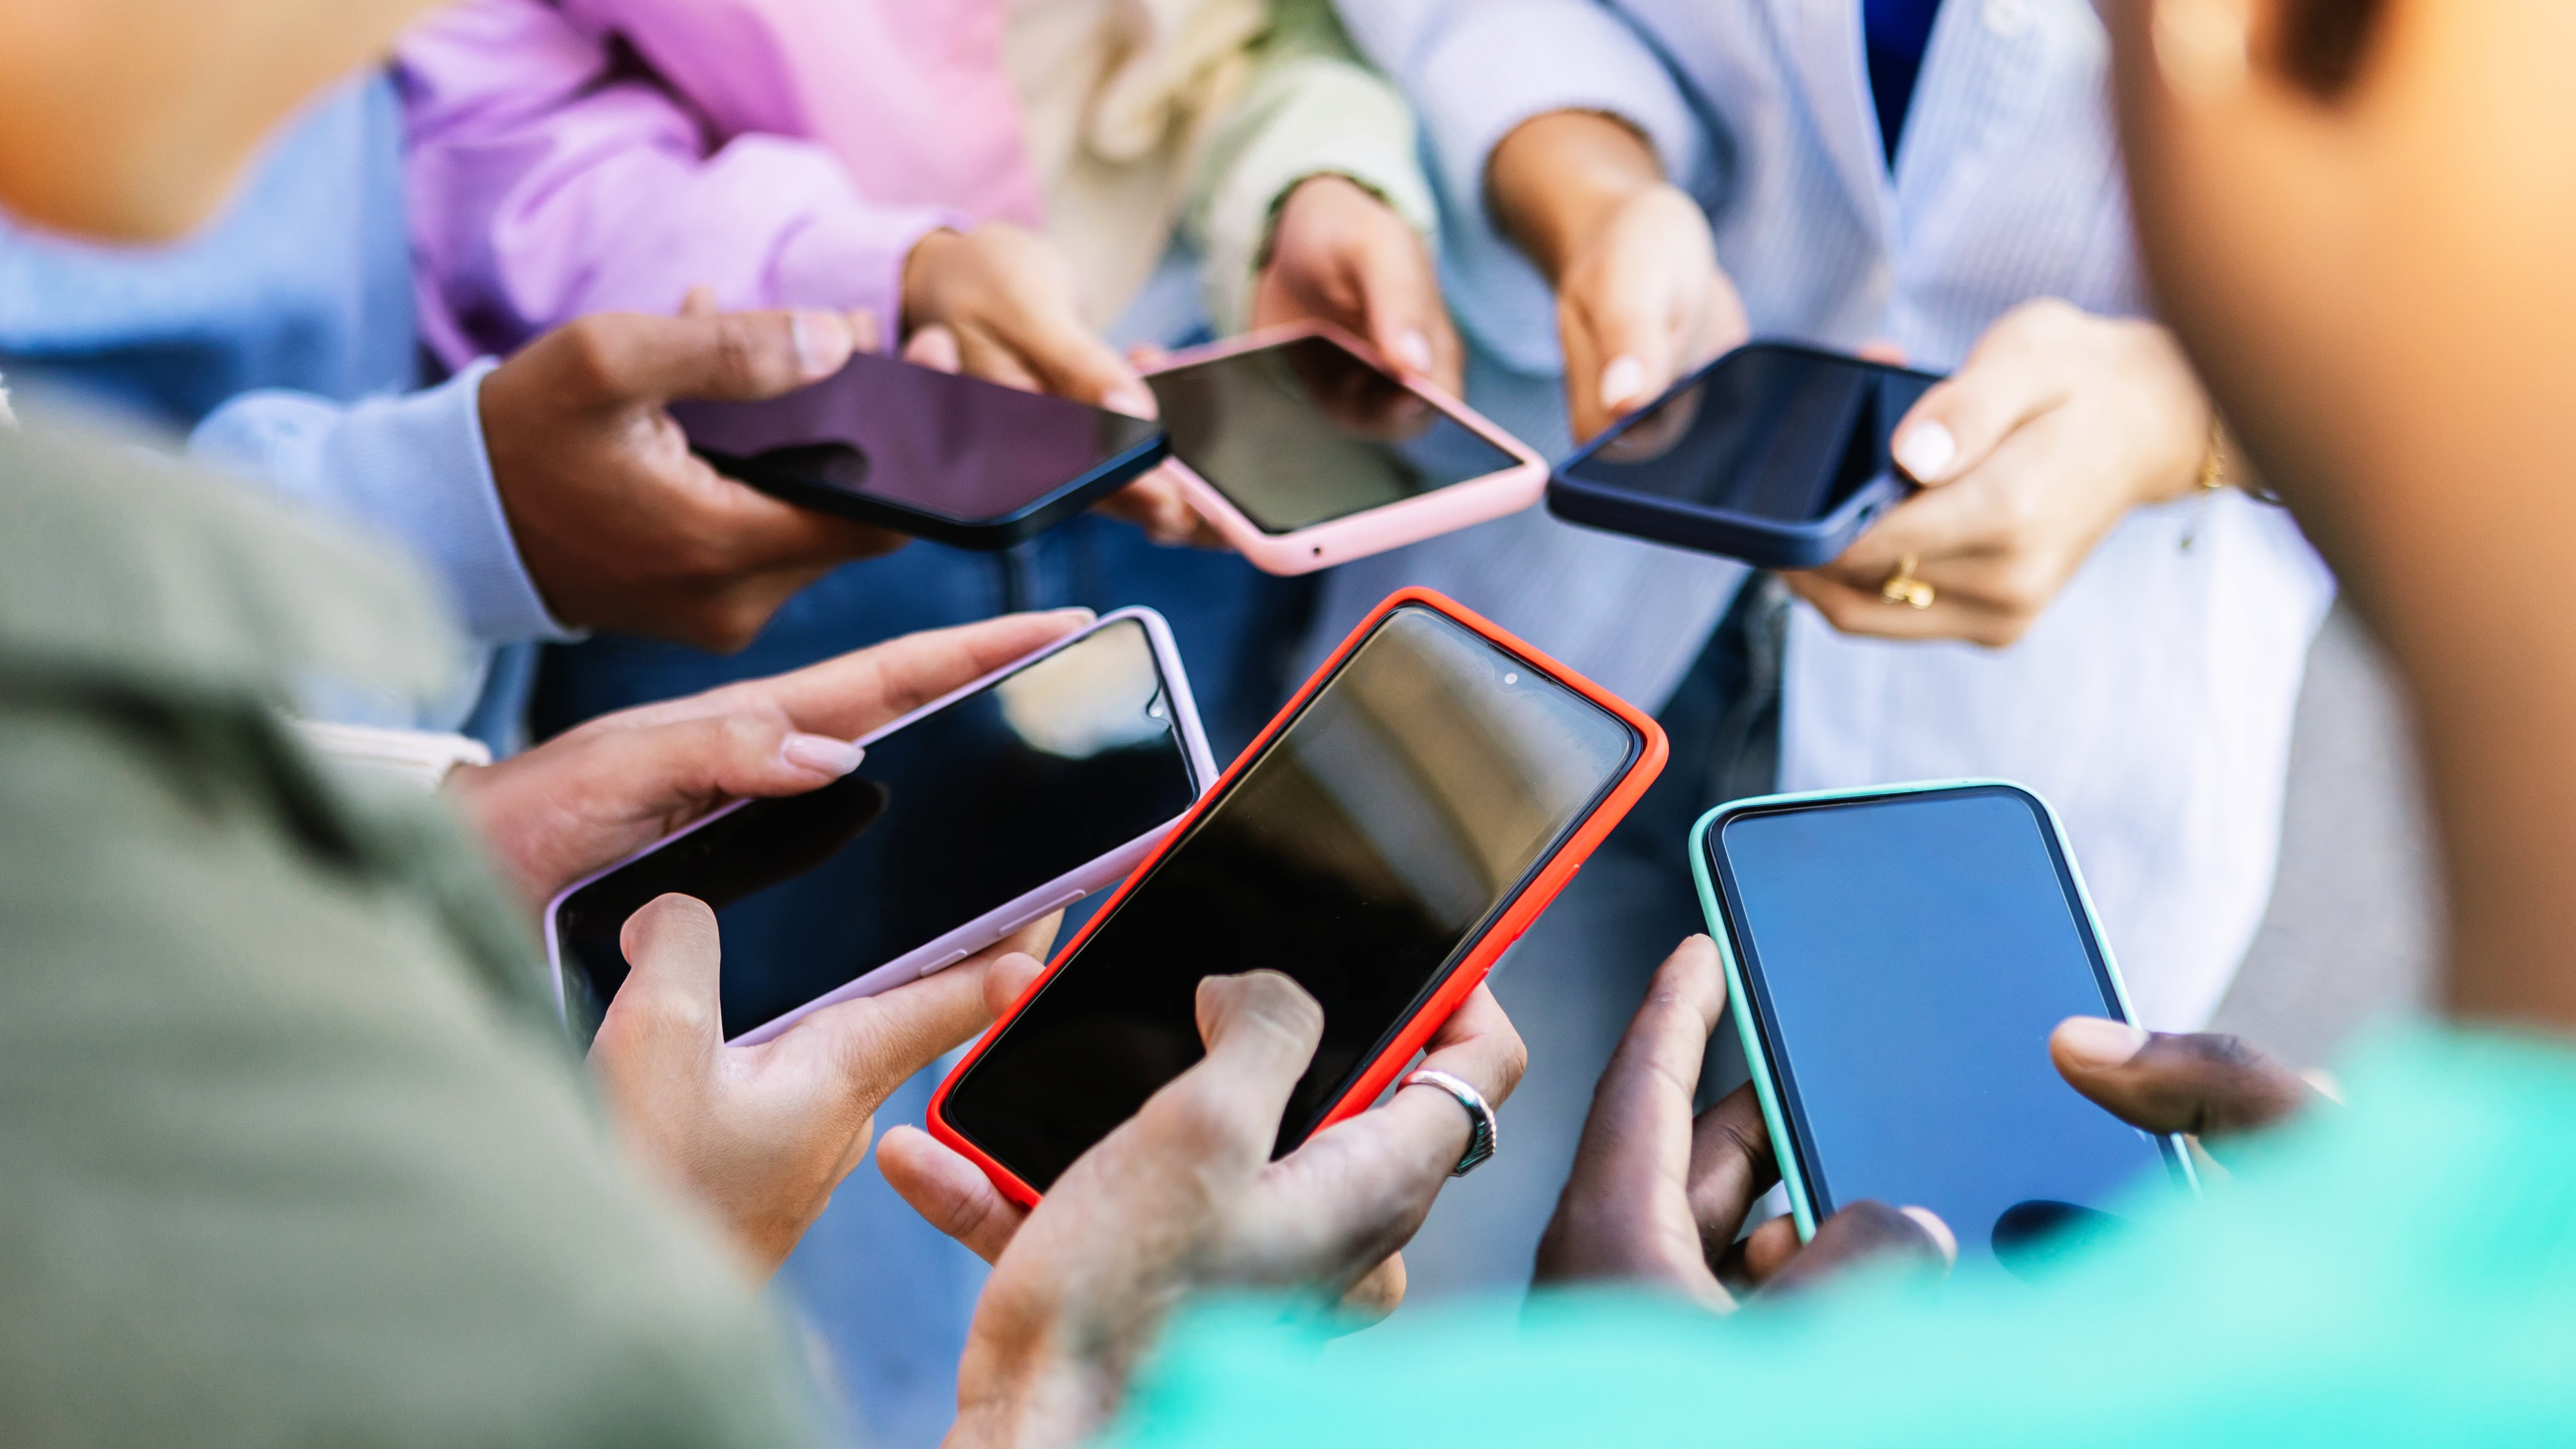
x=2403 y=1272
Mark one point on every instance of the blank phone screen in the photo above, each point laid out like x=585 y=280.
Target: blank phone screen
x=1362 y=853
x=1308 y=431
x=958 y=448
x=1908 y=957
x=1776 y=433
x=955 y=814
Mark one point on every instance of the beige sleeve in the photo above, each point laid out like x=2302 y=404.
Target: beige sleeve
x=1314 y=108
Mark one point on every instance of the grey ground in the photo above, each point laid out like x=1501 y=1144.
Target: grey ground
x=2351 y=932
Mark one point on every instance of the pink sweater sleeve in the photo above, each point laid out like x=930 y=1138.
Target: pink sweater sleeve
x=548 y=176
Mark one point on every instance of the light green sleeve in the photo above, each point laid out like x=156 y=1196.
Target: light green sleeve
x=1313 y=108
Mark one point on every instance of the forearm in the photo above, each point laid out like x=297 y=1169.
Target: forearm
x=1556 y=178
x=1314 y=108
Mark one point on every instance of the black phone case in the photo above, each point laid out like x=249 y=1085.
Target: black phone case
x=790 y=474
x=1765 y=543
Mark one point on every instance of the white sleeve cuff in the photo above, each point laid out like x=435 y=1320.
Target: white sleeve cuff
x=412 y=468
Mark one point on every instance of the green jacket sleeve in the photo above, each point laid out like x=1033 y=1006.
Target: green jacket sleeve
x=1313 y=108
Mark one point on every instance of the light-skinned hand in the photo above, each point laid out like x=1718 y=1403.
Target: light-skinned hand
x=619 y=524
x=1185 y=1196
x=759 y=1136
x=1339 y=254
x=2059 y=424
x=1657 y=1196
x=1000 y=302
x=1640 y=298
x=601 y=791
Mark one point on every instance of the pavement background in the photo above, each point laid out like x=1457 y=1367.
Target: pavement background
x=2353 y=928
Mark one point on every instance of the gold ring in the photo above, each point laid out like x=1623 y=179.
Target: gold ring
x=1902 y=587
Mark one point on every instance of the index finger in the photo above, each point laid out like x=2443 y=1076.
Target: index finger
x=866 y=688
x=726 y=357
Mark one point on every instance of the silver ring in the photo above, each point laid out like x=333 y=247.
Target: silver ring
x=1480 y=1117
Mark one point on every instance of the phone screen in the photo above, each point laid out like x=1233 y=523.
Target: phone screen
x=1361 y=853
x=955 y=447
x=1908 y=957
x=956 y=814
x=1307 y=432
x=1776 y=433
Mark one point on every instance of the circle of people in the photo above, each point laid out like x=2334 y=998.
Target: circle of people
x=2238 y=302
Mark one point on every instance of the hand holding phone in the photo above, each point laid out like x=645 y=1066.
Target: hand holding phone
x=1774 y=454
x=1898 y=959
x=1391 y=833
x=993 y=806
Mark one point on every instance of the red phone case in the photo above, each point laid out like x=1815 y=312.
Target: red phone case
x=1552 y=876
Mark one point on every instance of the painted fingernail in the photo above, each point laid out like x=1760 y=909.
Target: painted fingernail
x=1413 y=351
x=1925 y=450
x=1133 y=400
x=822 y=754
x=1942 y=1237
x=822 y=341
x=2099 y=1042
x=1622 y=381
x=866 y=334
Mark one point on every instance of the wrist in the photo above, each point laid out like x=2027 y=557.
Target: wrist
x=922 y=269
x=1556 y=180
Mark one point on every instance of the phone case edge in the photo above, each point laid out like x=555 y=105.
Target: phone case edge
x=1471 y=969
x=1765 y=1084
x=1498 y=494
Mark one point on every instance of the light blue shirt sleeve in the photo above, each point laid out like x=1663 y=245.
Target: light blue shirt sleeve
x=411 y=468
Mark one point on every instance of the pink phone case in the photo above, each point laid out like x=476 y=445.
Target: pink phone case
x=1444 y=510
x=975 y=935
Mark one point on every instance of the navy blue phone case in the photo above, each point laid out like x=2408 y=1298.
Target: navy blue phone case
x=1768 y=543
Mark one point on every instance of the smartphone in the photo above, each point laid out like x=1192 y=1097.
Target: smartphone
x=1417 y=804
x=1774 y=454
x=1303 y=449
x=972 y=816
x=932 y=454
x=1897 y=959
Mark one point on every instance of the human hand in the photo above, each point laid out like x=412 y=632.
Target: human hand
x=619 y=524
x=1339 y=254
x=1657 y=1197
x=1000 y=302
x=2206 y=1084
x=1640 y=298
x=2059 y=424
x=616 y=784
x=1185 y=1196
x=761 y=1135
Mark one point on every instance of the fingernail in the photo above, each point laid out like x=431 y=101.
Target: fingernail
x=1413 y=351
x=1133 y=400
x=1078 y=614
x=1942 y=1237
x=822 y=754
x=2099 y=1042
x=1925 y=450
x=822 y=342
x=865 y=333
x=1622 y=381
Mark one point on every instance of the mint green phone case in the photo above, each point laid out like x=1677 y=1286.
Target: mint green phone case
x=1766 y=1084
